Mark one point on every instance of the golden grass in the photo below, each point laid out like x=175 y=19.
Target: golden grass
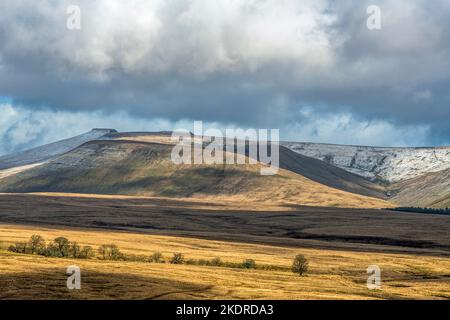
x=252 y=201
x=334 y=274
x=243 y=183
x=239 y=221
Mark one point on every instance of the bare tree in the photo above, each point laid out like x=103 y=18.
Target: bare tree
x=300 y=264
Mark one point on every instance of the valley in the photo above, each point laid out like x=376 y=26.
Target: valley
x=338 y=243
x=330 y=203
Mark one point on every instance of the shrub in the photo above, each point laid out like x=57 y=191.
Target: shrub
x=249 y=264
x=62 y=246
x=300 y=264
x=115 y=253
x=177 y=258
x=19 y=247
x=109 y=252
x=86 y=253
x=216 y=262
x=36 y=244
x=135 y=258
x=52 y=250
x=74 y=250
x=156 y=257
x=203 y=262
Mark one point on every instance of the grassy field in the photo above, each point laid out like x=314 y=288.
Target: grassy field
x=412 y=250
x=238 y=220
x=334 y=274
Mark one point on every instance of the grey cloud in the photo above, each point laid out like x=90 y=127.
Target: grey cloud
x=251 y=63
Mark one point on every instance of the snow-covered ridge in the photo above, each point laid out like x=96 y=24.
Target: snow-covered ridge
x=375 y=163
x=48 y=151
x=378 y=163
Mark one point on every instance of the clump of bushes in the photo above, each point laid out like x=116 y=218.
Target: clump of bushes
x=87 y=253
x=300 y=265
x=36 y=244
x=177 y=258
x=157 y=257
x=444 y=211
x=19 y=247
x=62 y=247
x=249 y=264
x=110 y=252
x=215 y=262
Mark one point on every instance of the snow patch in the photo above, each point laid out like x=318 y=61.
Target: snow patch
x=378 y=163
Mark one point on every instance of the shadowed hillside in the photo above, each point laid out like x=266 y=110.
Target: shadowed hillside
x=329 y=175
x=138 y=163
x=145 y=169
x=429 y=190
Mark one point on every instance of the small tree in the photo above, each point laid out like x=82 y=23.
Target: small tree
x=249 y=264
x=86 y=253
x=74 y=250
x=156 y=257
x=52 y=250
x=36 y=244
x=109 y=252
x=216 y=262
x=62 y=244
x=177 y=258
x=19 y=247
x=300 y=265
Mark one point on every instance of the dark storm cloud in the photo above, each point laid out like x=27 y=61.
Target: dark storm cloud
x=252 y=63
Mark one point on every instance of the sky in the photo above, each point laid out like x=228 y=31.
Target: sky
x=311 y=68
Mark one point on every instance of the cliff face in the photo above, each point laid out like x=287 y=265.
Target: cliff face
x=387 y=165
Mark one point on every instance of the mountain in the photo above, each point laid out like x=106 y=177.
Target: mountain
x=431 y=190
x=310 y=168
x=45 y=152
x=141 y=168
x=385 y=165
x=329 y=175
x=138 y=163
x=412 y=177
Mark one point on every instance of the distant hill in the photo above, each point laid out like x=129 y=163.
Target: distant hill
x=104 y=161
x=411 y=177
x=431 y=190
x=310 y=168
x=145 y=169
x=329 y=175
x=388 y=165
x=48 y=151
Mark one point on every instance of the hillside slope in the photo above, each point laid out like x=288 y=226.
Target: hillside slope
x=310 y=168
x=328 y=175
x=51 y=150
x=429 y=190
x=145 y=169
x=388 y=165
